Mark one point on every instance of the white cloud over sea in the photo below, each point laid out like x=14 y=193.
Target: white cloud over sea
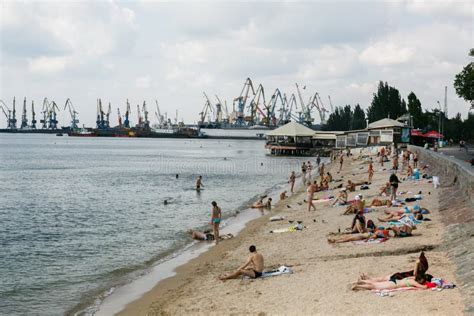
x=173 y=51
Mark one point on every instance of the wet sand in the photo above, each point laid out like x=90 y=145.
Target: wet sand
x=323 y=272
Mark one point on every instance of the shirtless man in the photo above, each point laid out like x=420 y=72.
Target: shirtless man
x=198 y=183
x=350 y=186
x=292 y=181
x=255 y=261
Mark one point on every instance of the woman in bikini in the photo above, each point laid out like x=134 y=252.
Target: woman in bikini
x=215 y=220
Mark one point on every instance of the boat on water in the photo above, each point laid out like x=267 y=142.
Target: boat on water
x=83 y=132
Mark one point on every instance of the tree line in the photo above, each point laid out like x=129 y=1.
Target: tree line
x=387 y=102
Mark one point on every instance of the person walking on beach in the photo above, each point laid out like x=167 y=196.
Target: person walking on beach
x=303 y=172
x=341 y=161
x=371 y=170
x=415 y=160
x=394 y=185
x=255 y=261
x=198 y=183
x=216 y=220
x=292 y=181
x=395 y=162
x=309 y=169
x=310 y=193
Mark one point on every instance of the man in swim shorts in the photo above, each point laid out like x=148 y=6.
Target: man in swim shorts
x=198 y=183
x=255 y=261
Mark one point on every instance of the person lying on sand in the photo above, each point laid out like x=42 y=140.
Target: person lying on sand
x=403 y=231
x=416 y=209
x=398 y=280
x=378 y=233
x=393 y=217
x=258 y=204
x=420 y=268
x=341 y=198
x=206 y=235
x=377 y=202
x=254 y=261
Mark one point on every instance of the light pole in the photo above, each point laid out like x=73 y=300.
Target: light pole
x=439 y=123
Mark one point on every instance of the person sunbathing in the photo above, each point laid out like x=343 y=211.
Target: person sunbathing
x=255 y=261
x=341 y=198
x=324 y=185
x=403 y=231
x=350 y=186
x=395 y=217
x=258 y=204
x=206 y=235
x=377 y=202
x=356 y=206
x=379 y=233
x=414 y=278
x=421 y=266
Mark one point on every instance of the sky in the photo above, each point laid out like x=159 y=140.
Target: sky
x=174 y=51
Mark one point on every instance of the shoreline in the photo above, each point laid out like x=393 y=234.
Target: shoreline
x=195 y=288
x=235 y=223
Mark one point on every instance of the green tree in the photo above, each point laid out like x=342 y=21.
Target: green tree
x=387 y=102
x=358 y=118
x=464 y=81
x=415 y=110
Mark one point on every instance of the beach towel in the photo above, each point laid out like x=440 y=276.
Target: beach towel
x=321 y=200
x=400 y=289
x=288 y=229
x=281 y=270
x=369 y=241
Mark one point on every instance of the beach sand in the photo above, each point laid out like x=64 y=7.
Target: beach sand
x=323 y=272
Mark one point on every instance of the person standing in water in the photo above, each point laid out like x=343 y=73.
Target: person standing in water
x=309 y=169
x=292 y=181
x=216 y=216
x=198 y=183
x=303 y=172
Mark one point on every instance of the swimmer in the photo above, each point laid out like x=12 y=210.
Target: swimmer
x=198 y=183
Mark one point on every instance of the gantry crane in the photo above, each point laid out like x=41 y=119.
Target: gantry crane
x=52 y=115
x=305 y=114
x=11 y=123
x=206 y=111
x=330 y=104
x=126 y=121
x=242 y=101
x=146 y=122
x=33 y=115
x=161 y=119
x=119 y=117
x=254 y=106
x=319 y=105
x=224 y=110
x=24 y=118
x=45 y=112
x=73 y=113
x=270 y=119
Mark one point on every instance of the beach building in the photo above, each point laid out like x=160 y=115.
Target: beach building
x=290 y=139
x=382 y=132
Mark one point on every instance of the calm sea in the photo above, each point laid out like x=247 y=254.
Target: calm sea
x=79 y=216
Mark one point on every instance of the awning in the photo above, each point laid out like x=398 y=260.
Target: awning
x=415 y=132
x=432 y=134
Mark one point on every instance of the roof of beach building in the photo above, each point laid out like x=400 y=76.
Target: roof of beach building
x=292 y=129
x=386 y=122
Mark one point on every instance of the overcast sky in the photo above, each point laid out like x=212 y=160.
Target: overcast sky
x=173 y=51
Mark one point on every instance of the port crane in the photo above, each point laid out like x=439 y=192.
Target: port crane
x=318 y=104
x=119 y=117
x=52 y=115
x=330 y=104
x=161 y=119
x=33 y=115
x=45 y=111
x=11 y=120
x=270 y=119
x=24 y=118
x=206 y=110
x=139 y=116
x=254 y=106
x=305 y=114
x=242 y=101
x=72 y=112
x=101 y=122
x=126 y=121
x=146 y=122
x=223 y=109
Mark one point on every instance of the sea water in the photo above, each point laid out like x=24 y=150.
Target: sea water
x=81 y=216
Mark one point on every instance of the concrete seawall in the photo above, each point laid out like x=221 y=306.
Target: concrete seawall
x=457 y=207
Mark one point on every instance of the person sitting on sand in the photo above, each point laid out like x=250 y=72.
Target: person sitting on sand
x=341 y=198
x=268 y=205
x=255 y=261
x=282 y=195
x=378 y=233
x=324 y=186
x=377 y=202
x=328 y=177
x=409 y=171
x=356 y=206
x=350 y=186
x=358 y=224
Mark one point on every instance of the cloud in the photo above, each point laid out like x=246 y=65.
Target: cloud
x=47 y=65
x=385 y=53
x=143 y=82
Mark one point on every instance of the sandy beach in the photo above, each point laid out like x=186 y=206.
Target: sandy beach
x=323 y=272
